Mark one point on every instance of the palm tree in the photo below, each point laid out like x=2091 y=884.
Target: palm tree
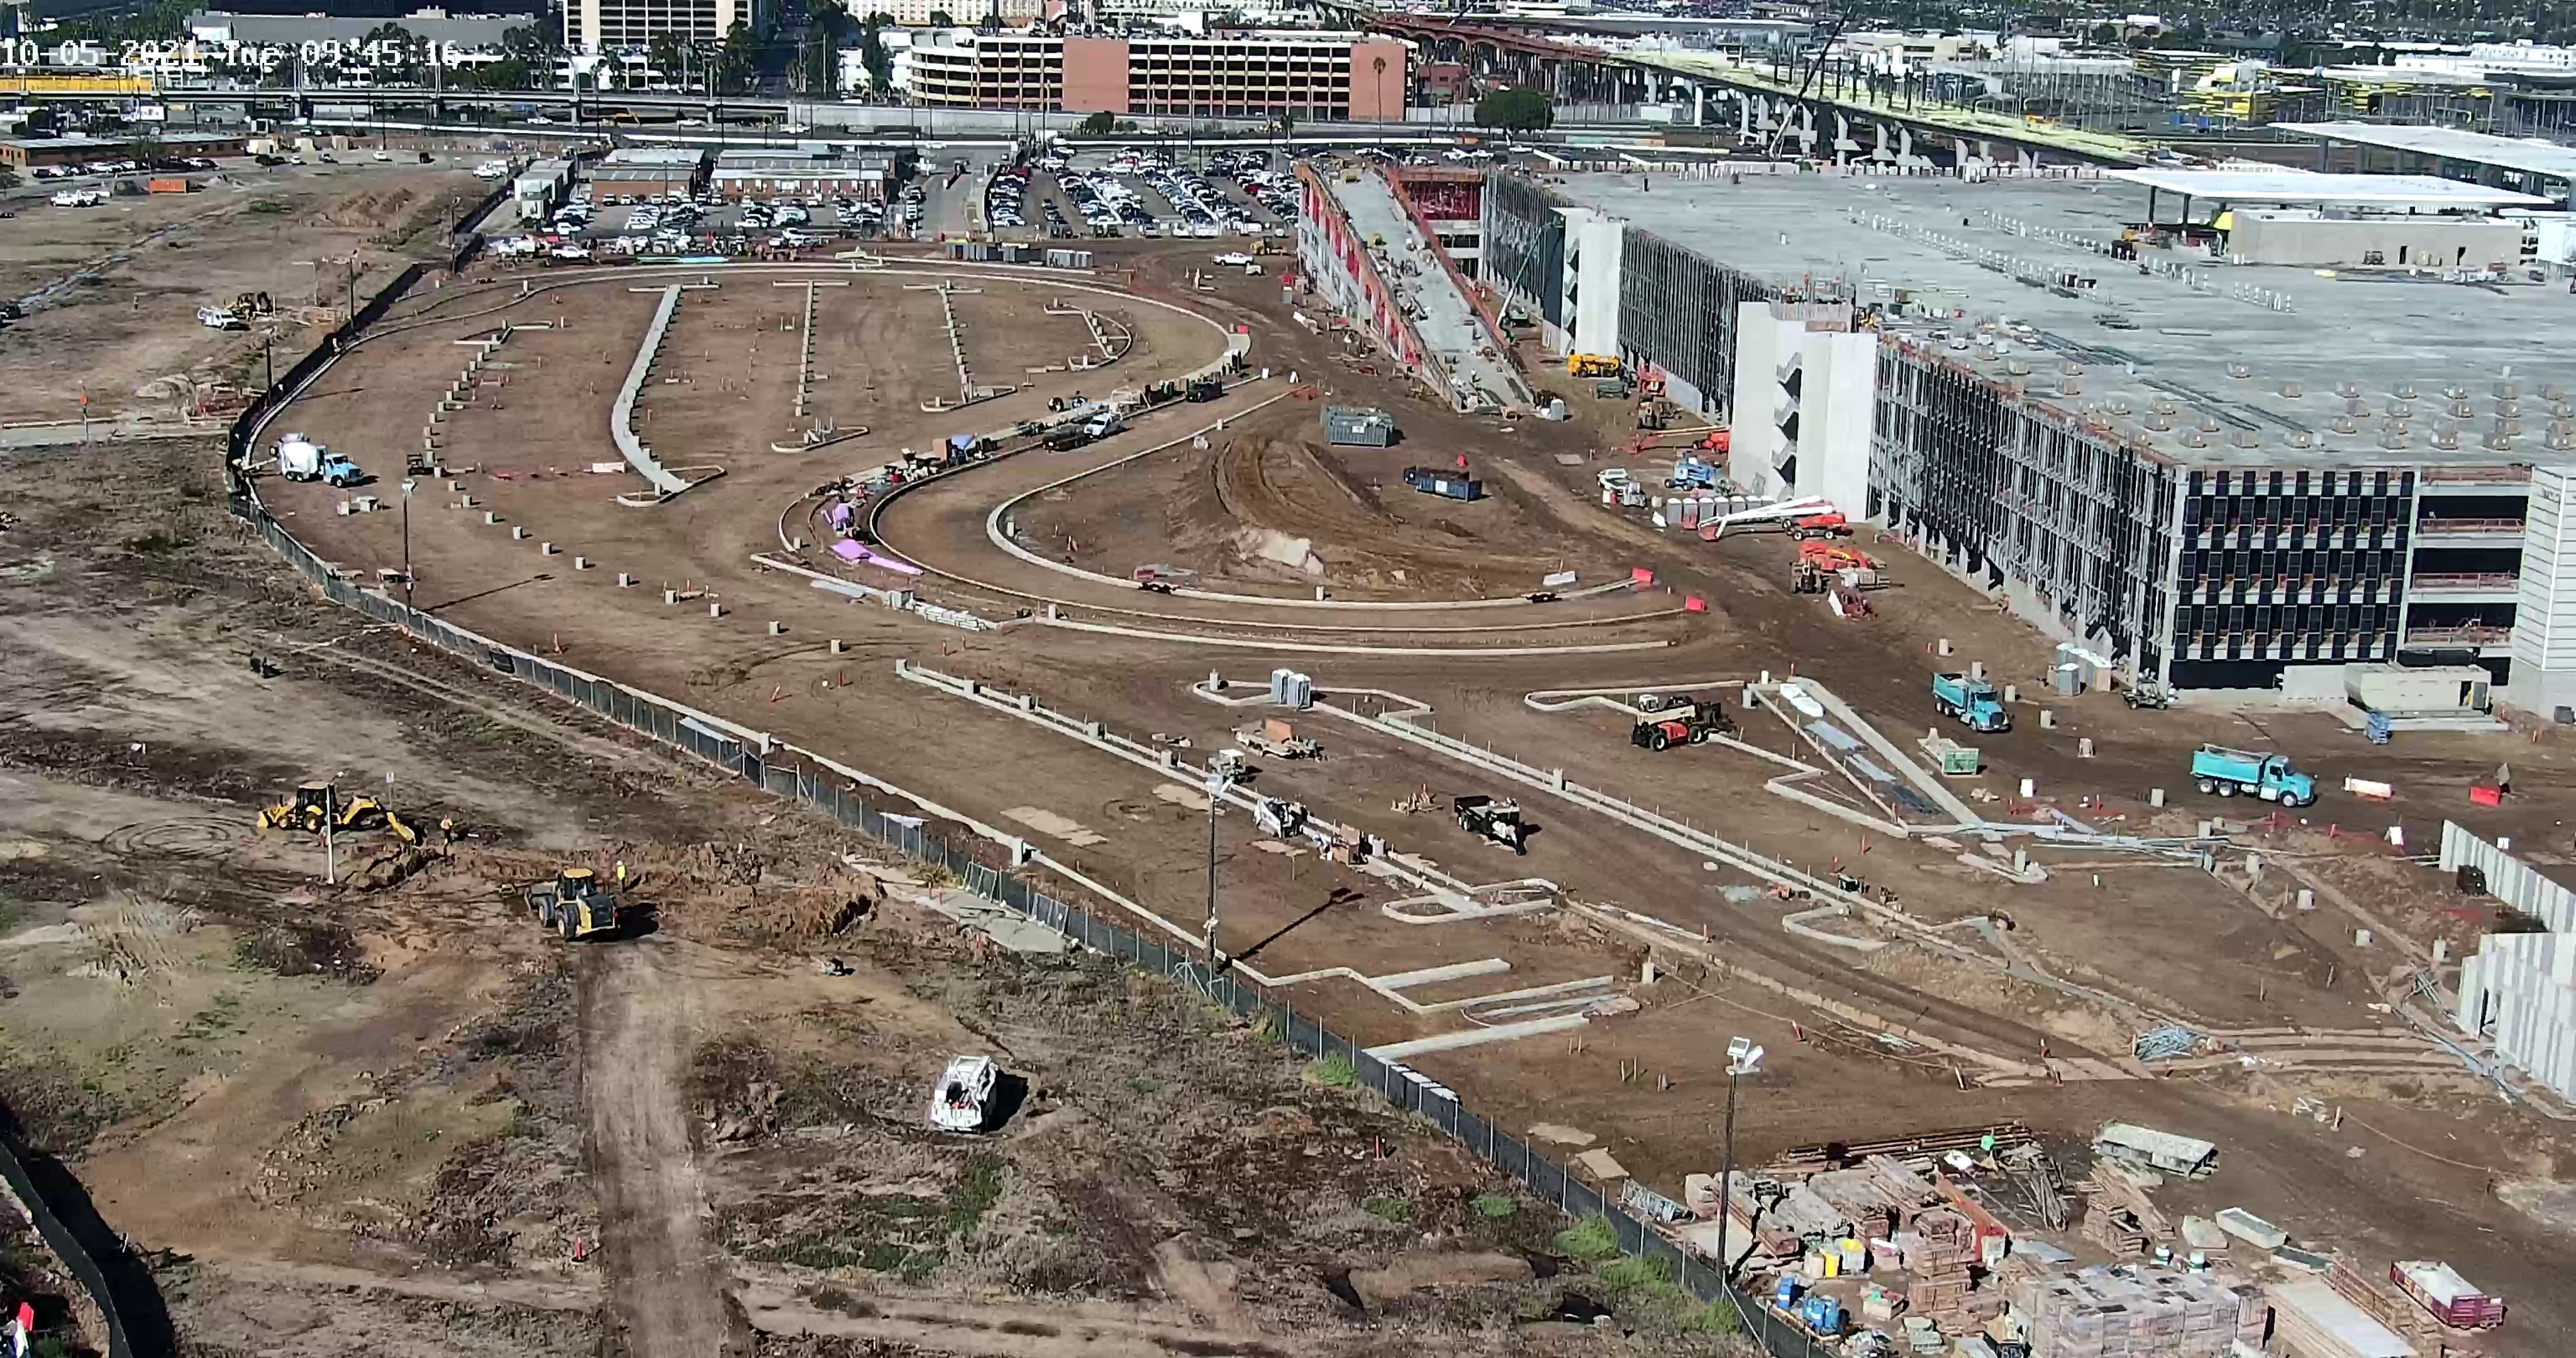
x=1377 y=65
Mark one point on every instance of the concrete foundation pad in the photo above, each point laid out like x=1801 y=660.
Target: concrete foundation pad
x=1002 y=924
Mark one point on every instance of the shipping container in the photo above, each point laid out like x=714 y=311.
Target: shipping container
x=1432 y=481
x=1358 y=426
x=167 y=184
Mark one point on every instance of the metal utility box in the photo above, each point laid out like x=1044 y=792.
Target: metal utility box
x=1358 y=426
x=1952 y=758
x=2398 y=690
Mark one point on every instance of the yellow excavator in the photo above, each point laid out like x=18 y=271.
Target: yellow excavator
x=574 y=904
x=316 y=805
x=1591 y=365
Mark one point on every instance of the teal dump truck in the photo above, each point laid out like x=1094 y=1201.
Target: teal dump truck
x=2250 y=773
x=1974 y=702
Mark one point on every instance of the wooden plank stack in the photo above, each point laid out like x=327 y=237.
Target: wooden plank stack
x=2311 y=1319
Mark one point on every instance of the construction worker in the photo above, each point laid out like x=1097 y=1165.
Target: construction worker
x=621 y=874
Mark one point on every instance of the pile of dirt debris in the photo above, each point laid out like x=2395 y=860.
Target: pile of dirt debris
x=368 y=207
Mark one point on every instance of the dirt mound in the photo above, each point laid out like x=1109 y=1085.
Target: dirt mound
x=1415 y=1272
x=370 y=207
x=1286 y=508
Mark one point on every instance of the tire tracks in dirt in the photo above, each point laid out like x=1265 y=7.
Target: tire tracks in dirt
x=959 y=1326
x=668 y=1286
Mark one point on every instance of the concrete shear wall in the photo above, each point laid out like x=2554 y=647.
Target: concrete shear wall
x=2520 y=989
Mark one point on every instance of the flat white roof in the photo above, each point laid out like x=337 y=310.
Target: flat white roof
x=2254 y=187
x=654 y=155
x=2512 y=153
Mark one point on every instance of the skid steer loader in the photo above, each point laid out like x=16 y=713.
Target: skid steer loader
x=575 y=904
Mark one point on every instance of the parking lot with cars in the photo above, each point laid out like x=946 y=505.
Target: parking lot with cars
x=591 y=225
x=1143 y=193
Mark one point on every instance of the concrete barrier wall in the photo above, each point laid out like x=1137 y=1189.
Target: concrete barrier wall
x=2509 y=879
x=2520 y=989
x=621 y=417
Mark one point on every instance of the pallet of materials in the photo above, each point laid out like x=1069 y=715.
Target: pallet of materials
x=2139 y=1311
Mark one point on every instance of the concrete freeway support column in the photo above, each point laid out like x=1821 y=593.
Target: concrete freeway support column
x=1842 y=136
x=1699 y=105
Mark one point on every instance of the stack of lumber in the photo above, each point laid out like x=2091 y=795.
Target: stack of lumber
x=2312 y=1320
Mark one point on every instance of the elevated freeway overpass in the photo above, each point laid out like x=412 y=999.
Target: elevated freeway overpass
x=1761 y=106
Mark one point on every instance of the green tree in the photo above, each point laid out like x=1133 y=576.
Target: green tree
x=391 y=52
x=1516 y=110
x=940 y=18
x=509 y=73
x=873 y=55
x=817 y=61
x=1100 y=124
x=665 y=54
x=734 y=65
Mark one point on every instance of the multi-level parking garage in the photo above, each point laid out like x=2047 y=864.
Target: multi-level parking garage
x=2223 y=431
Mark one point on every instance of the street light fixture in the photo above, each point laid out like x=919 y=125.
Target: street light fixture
x=407 y=487
x=1742 y=1058
x=1220 y=776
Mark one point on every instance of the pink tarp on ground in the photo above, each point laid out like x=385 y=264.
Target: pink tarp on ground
x=858 y=555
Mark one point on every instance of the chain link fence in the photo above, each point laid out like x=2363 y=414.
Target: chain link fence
x=799 y=775
x=788 y=772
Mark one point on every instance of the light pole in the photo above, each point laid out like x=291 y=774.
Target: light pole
x=1742 y=1059
x=407 y=485
x=1219 y=778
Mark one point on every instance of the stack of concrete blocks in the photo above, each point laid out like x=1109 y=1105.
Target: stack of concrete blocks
x=1943 y=1247
x=2139 y=1311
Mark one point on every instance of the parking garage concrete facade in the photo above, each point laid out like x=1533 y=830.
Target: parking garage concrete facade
x=2212 y=477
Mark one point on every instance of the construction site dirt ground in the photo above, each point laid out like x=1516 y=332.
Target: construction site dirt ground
x=391 y=1116
x=2160 y=943
x=1250 y=512
x=112 y=292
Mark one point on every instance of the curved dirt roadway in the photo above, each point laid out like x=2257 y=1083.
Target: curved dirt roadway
x=943 y=527
x=668 y=1284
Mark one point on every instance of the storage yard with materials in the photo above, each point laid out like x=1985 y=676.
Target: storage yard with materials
x=109 y=292
x=2057 y=1049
